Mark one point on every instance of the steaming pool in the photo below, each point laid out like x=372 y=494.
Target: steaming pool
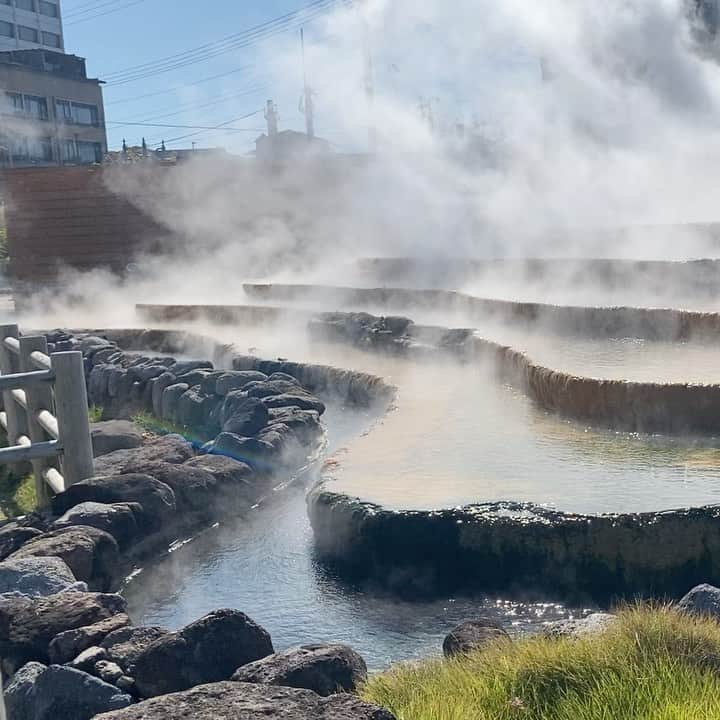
x=455 y=436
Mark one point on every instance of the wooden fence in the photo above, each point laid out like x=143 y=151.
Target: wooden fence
x=45 y=412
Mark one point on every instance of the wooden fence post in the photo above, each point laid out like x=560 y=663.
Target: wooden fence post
x=71 y=410
x=39 y=397
x=9 y=364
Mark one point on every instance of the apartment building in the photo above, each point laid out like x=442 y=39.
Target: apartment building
x=30 y=24
x=51 y=113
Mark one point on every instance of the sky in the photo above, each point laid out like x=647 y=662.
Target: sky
x=114 y=35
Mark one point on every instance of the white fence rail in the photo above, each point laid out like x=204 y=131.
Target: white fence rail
x=45 y=412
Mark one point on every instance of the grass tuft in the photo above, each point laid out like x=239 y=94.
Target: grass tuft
x=653 y=664
x=95 y=414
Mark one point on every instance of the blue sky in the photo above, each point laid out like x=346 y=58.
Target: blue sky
x=142 y=31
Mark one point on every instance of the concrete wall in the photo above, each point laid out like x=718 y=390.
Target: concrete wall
x=36 y=20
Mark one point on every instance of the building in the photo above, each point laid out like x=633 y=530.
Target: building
x=29 y=24
x=51 y=113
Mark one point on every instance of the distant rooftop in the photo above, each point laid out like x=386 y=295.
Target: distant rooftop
x=47 y=61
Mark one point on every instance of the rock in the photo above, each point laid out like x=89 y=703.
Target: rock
x=69 y=644
x=107 y=671
x=238 y=380
x=324 y=669
x=112 y=435
x=156 y=498
x=36 y=576
x=194 y=377
x=473 y=635
x=274 y=387
x=93 y=343
x=20 y=692
x=146 y=371
x=117 y=519
x=13 y=537
x=63 y=693
x=304 y=402
x=158 y=386
x=87 y=659
x=91 y=554
x=126 y=684
x=209 y=381
x=194 y=407
x=701 y=600
x=126 y=645
x=305 y=424
x=194 y=487
x=580 y=627
x=284 y=377
x=27 y=625
x=169 y=448
x=243 y=701
x=181 y=367
x=236 y=482
x=207 y=650
x=242 y=415
x=170 y=401
x=260 y=455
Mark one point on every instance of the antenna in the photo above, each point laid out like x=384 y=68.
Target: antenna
x=369 y=77
x=308 y=106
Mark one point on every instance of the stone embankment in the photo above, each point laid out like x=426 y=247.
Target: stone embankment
x=649 y=407
x=67 y=645
x=654 y=324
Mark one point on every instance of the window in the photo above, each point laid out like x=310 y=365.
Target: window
x=39 y=149
x=85 y=114
x=7 y=29
x=68 y=151
x=48 y=8
x=89 y=152
x=14 y=103
x=27 y=33
x=18 y=149
x=25 y=5
x=5 y=2
x=63 y=111
x=51 y=39
x=36 y=107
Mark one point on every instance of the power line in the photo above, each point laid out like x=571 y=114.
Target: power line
x=179 y=87
x=186 y=127
x=228 y=44
x=85 y=18
x=216 y=127
x=212 y=103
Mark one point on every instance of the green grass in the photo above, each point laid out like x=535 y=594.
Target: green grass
x=95 y=414
x=154 y=425
x=653 y=664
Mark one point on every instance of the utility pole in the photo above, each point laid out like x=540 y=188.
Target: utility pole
x=369 y=77
x=308 y=104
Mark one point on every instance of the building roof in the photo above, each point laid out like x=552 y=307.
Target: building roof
x=48 y=61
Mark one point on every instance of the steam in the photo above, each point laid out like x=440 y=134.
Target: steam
x=553 y=126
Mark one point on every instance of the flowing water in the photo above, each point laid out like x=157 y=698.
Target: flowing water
x=454 y=437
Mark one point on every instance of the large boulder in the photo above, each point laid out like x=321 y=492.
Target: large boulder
x=243 y=415
x=156 y=498
x=237 y=380
x=126 y=645
x=37 y=577
x=324 y=669
x=702 y=600
x=182 y=367
x=91 y=554
x=305 y=424
x=28 y=625
x=274 y=387
x=194 y=487
x=195 y=407
x=13 y=537
x=473 y=635
x=237 y=485
x=593 y=624
x=157 y=387
x=304 y=402
x=67 y=645
x=170 y=399
x=117 y=519
x=243 y=701
x=208 y=650
x=20 y=692
x=111 y=435
x=260 y=455
x=169 y=448
x=63 y=693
